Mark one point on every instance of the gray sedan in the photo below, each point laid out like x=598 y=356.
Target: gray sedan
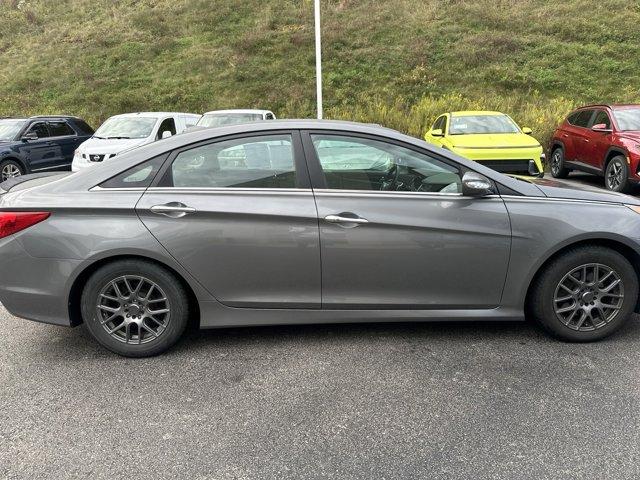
x=307 y=222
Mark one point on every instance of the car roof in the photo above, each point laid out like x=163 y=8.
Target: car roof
x=462 y=113
x=612 y=106
x=53 y=117
x=152 y=114
x=239 y=110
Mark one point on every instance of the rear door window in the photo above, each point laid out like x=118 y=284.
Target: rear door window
x=265 y=161
x=60 y=129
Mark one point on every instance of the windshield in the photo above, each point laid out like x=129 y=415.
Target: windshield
x=222 y=119
x=10 y=128
x=126 y=127
x=473 y=124
x=628 y=118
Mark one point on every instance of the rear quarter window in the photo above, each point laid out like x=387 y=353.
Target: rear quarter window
x=82 y=127
x=139 y=176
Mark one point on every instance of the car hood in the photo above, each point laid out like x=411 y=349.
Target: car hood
x=555 y=189
x=494 y=140
x=631 y=135
x=104 y=146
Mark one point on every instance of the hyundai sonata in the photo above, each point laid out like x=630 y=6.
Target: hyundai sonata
x=288 y=222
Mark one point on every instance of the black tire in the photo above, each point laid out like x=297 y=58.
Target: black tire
x=558 y=170
x=616 y=175
x=135 y=312
x=543 y=298
x=10 y=169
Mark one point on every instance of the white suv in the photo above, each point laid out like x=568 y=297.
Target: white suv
x=221 y=118
x=129 y=130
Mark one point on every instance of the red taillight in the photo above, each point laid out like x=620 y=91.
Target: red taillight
x=13 y=222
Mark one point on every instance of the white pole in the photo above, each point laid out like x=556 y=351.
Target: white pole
x=318 y=60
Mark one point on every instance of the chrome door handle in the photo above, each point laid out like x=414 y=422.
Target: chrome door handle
x=173 y=209
x=340 y=219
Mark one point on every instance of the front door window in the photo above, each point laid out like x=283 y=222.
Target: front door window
x=353 y=163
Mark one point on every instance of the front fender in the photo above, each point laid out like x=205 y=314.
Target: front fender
x=541 y=228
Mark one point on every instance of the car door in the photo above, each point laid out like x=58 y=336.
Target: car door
x=239 y=214
x=599 y=141
x=40 y=151
x=395 y=231
x=581 y=135
x=66 y=141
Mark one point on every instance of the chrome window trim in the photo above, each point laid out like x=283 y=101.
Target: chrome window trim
x=227 y=190
x=98 y=188
x=385 y=193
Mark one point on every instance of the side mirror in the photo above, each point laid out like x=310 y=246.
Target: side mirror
x=527 y=130
x=601 y=127
x=29 y=136
x=166 y=134
x=437 y=132
x=476 y=185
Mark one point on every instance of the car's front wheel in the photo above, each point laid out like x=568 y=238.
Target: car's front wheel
x=135 y=308
x=616 y=176
x=585 y=294
x=10 y=169
x=558 y=170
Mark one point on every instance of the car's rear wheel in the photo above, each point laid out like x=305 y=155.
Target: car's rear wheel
x=558 y=170
x=135 y=308
x=586 y=294
x=10 y=169
x=616 y=176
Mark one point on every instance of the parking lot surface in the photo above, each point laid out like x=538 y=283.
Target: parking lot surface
x=589 y=182
x=496 y=400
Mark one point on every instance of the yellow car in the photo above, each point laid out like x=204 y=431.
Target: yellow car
x=490 y=138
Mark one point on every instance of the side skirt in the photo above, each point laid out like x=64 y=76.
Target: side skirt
x=216 y=315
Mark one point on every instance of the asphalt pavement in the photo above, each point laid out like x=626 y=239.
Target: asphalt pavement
x=386 y=401
x=588 y=181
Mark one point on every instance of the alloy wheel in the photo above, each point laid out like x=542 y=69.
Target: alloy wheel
x=555 y=162
x=615 y=175
x=10 y=170
x=588 y=297
x=133 y=309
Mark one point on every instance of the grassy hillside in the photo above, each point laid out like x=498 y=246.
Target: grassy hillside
x=394 y=62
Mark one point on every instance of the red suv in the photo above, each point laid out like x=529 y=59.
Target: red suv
x=599 y=139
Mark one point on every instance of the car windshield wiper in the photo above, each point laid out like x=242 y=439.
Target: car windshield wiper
x=96 y=136
x=118 y=138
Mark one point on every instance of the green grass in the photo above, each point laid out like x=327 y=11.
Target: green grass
x=398 y=63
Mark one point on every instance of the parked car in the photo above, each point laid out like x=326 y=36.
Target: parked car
x=40 y=143
x=600 y=139
x=289 y=222
x=130 y=130
x=221 y=118
x=490 y=138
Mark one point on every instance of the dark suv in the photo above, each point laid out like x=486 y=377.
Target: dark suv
x=599 y=139
x=39 y=143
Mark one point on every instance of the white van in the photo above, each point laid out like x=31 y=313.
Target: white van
x=129 y=130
